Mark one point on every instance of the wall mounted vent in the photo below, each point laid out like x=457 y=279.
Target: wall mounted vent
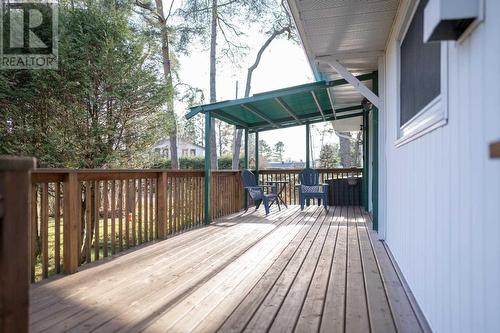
x=449 y=19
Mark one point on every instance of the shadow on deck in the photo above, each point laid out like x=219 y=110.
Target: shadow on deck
x=307 y=271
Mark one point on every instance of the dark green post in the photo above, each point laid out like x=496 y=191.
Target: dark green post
x=208 y=171
x=366 y=159
x=245 y=160
x=257 y=155
x=308 y=147
x=245 y=166
x=375 y=155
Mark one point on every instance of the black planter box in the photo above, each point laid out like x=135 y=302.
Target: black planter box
x=345 y=191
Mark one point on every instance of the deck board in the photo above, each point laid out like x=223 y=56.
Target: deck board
x=303 y=271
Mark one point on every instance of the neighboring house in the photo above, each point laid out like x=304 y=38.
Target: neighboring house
x=184 y=149
x=435 y=191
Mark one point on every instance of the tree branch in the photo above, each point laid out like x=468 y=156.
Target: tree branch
x=259 y=56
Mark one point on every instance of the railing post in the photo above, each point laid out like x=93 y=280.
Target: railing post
x=162 y=205
x=15 y=243
x=72 y=198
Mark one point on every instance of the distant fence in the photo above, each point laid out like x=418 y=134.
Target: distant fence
x=82 y=216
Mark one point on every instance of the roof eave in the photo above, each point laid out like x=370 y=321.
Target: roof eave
x=292 y=5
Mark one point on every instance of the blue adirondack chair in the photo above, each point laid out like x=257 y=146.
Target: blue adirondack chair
x=257 y=192
x=310 y=188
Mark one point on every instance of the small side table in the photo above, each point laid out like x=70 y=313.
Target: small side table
x=280 y=186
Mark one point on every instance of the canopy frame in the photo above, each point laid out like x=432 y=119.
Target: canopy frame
x=234 y=112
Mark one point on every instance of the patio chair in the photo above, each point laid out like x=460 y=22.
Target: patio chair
x=310 y=188
x=257 y=192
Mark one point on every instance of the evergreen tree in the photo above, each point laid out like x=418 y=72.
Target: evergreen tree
x=329 y=156
x=279 y=149
x=102 y=107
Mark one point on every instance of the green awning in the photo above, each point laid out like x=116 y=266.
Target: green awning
x=293 y=106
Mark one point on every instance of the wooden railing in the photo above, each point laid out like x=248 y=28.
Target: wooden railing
x=83 y=216
x=14 y=240
x=227 y=193
x=290 y=194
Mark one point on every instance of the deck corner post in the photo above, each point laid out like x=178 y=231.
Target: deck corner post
x=15 y=242
x=208 y=171
x=162 y=205
x=71 y=208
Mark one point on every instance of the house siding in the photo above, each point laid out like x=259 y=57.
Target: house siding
x=442 y=204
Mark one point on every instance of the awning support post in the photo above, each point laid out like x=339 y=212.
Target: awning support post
x=208 y=171
x=366 y=159
x=257 y=155
x=308 y=147
x=375 y=154
x=245 y=165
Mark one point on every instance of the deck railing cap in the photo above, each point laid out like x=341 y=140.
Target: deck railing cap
x=16 y=163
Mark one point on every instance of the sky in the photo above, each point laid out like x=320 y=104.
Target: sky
x=283 y=64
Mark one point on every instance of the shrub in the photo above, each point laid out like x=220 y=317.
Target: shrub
x=194 y=163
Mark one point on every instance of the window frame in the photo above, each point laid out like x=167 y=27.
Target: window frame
x=435 y=114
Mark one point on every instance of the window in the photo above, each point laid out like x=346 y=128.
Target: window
x=184 y=152
x=165 y=152
x=193 y=152
x=422 y=80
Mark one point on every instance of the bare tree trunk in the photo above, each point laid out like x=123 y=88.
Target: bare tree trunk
x=238 y=133
x=167 y=73
x=213 y=94
x=345 y=150
x=357 y=159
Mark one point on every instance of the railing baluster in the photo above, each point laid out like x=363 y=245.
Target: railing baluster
x=57 y=225
x=120 y=216
x=88 y=220
x=105 y=224
x=113 y=217
x=44 y=230
x=97 y=219
x=146 y=206
x=139 y=217
x=34 y=223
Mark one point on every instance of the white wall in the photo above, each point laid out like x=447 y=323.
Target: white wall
x=443 y=190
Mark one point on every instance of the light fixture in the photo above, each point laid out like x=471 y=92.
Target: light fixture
x=449 y=19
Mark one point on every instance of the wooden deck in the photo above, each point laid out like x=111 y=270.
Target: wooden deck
x=311 y=271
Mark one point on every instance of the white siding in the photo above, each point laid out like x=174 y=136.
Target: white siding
x=443 y=190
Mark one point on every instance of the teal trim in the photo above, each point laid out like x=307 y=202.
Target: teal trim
x=316 y=116
x=257 y=155
x=271 y=95
x=208 y=171
x=313 y=121
x=245 y=166
x=375 y=155
x=308 y=146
